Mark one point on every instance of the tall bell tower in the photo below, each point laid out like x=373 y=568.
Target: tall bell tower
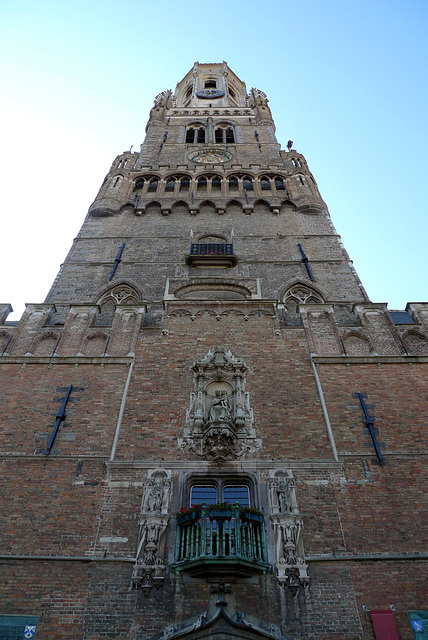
x=208 y=426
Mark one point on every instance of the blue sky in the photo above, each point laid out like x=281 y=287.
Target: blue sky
x=346 y=80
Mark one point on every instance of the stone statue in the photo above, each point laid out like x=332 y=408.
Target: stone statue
x=155 y=498
x=285 y=495
x=220 y=409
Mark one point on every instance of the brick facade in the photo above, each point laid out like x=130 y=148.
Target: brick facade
x=286 y=337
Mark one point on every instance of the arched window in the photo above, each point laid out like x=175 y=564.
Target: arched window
x=195 y=134
x=279 y=183
x=248 y=183
x=153 y=185
x=265 y=183
x=296 y=295
x=170 y=184
x=216 y=183
x=233 y=183
x=202 y=184
x=224 y=134
x=184 y=184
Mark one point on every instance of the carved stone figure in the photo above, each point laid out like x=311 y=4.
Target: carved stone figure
x=149 y=568
x=219 y=420
x=287 y=523
x=155 y=498
x=220 y=408
x=285 y=496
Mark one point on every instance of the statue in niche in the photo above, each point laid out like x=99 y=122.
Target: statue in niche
x=219 y=421
x=155 y=498
x=285 y=495
x=220 y=408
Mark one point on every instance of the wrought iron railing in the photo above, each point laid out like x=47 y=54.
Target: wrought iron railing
x=208 y=533
x=211 y=249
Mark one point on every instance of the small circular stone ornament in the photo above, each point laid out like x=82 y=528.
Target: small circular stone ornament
x=210 y=156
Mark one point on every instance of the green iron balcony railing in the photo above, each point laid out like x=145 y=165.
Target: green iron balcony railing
x=211 y=538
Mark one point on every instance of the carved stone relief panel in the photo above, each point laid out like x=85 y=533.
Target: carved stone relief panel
x=220 y=421
x=287 y=522
x=153 y=520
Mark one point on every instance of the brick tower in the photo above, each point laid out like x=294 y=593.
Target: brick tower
x=208 y=429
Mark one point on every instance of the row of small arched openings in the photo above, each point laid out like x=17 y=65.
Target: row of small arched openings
x=213 y=182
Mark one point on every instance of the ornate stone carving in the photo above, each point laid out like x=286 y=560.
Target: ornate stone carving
x=258 y=101
x=149 y=567
x=162 y=102
x=292 y=570
x=219 y=421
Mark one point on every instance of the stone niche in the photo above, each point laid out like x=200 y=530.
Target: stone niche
x=220 y=421
x=149 y=568
x=287 y=523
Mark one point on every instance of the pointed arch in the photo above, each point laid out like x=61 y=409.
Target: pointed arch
x=180 y=207
x=44 y=345
x=261 y=206
x=120 y=293
x=289 y=204
x=357 y=344
x=207 y=207
x=95 y=344
x=295 y=295
x=4 y=339
x=153 y=207
x=234 y=207
x=415 y=342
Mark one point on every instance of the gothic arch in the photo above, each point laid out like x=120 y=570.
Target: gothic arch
x=357 y=344
x=95 y=344
x=261 y=206
x=120 y=293
x=233 y=205
x=4 y=338
x=44 y=344
x=308 y=291
x=207 y=207
x=415 y=342
x=288 y=203
x=220 y=625
x=295 y=295
x=180 y=207
x=153 y=207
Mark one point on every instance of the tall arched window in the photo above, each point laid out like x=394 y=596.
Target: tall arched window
x=195 y=134
x=248 y=183
x=224 y=134
x=265 y=183
x=170 y=184
x=202 y=184
x=233 y=183
x=153 y=185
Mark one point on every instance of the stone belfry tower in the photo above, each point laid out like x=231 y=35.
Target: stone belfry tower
x=203 y=425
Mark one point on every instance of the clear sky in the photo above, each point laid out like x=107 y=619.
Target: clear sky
x=346 y=80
